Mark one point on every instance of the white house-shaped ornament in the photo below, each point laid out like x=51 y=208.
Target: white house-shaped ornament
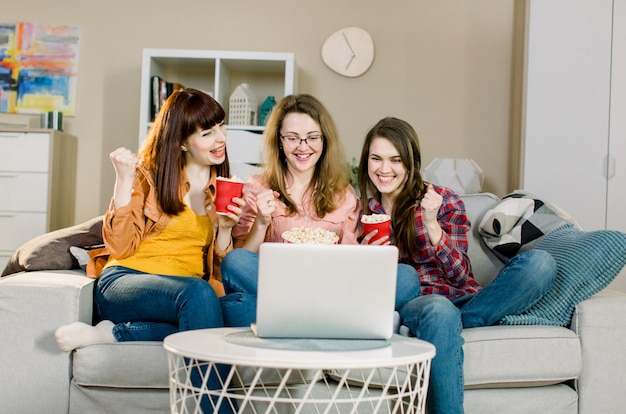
x=243 y=106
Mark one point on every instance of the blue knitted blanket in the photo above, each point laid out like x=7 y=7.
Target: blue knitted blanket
x=587 y=261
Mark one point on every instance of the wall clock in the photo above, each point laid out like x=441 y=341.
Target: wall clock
x=349 y=51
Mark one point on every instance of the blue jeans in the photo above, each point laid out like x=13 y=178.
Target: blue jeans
x=438 y=320
x=240 y=271
x=147 y=307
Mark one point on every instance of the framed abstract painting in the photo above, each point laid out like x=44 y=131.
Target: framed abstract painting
x=38 y=68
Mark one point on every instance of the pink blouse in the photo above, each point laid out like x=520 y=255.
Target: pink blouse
x=343 y=221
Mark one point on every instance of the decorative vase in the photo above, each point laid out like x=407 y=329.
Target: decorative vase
x=266 y=109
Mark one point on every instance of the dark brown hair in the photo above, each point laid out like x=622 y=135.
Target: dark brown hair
x=184 y=113
x=404 y=138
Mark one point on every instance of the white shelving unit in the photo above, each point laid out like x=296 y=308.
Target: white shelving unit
x=218 y=73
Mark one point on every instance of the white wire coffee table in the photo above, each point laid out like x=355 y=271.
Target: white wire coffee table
x=296 y=376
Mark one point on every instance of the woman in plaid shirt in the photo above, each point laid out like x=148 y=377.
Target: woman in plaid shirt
x=429 y=227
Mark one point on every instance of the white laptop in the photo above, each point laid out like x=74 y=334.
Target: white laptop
x=326 y=291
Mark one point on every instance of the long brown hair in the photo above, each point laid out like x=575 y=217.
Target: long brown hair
x=330 y=180
x=184 y=113
x=402 y=135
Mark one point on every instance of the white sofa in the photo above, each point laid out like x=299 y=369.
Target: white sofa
x=508 y=369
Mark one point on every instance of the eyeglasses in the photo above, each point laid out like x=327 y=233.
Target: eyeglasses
x=294 y=141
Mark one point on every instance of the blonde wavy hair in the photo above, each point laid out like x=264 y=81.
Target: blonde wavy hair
x=330 y=180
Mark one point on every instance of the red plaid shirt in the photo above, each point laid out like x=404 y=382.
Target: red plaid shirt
x=444 y=269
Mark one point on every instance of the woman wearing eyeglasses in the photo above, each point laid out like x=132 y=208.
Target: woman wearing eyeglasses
x=304 y=184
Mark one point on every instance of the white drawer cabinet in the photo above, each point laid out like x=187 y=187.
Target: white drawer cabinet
x=20 y=183
x=37 y=185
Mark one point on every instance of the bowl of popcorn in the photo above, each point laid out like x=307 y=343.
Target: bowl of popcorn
x=310 y=235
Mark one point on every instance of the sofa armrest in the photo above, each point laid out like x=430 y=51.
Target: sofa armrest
x=600 y=323
x=35 y=374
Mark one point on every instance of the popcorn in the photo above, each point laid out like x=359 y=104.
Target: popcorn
x=310 y=235
x=379 y=222
x=234 y=179
x=375 y=218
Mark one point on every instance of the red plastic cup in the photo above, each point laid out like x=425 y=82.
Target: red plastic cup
x=225 y=190
x=383 y=227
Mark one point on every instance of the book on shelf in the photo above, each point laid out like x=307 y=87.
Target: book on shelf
x=161 y=89
x=155 y=100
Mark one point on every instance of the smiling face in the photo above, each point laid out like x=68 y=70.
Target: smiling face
x=207 y=146
x=301 y=156
x=385 y=168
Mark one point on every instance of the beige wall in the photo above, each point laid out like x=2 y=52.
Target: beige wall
x=444 y=66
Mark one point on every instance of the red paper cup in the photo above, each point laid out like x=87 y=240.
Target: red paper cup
x=383 y=227
x=225 y=190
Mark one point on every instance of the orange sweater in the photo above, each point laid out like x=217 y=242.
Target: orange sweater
x=125 y=228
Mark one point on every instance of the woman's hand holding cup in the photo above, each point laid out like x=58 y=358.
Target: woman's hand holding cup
x=377 y=229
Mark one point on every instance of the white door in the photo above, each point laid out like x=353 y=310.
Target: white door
x=616 y=218
x=568 y=95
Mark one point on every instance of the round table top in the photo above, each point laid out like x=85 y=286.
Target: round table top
x=239 y=346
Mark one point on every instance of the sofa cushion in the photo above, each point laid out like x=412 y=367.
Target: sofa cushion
x=508 y=357
x=519 y=222
x=51 y=251
x=144 y=365
x=485 y=264
x=553 y=399
x=520 y=356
